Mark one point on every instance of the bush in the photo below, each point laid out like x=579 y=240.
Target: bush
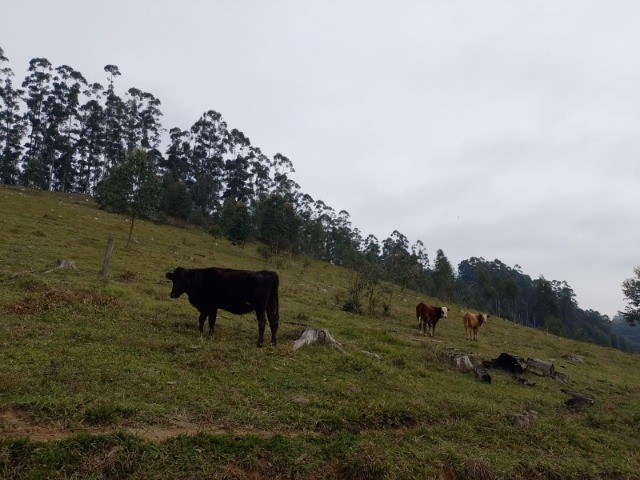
x=352 y=305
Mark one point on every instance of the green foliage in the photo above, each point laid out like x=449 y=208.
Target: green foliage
x=236 y=222
x=443 y=277
x=276 y=222
x=175 y=199
x=631 y=291
x=132 y=187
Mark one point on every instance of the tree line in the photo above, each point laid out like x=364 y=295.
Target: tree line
x=59 y=132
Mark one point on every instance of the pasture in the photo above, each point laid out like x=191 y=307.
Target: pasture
x=107 y=377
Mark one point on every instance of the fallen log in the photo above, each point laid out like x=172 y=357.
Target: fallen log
x=541 y=367
x=511 y=363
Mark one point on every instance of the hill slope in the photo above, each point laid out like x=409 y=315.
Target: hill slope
x=107 y=377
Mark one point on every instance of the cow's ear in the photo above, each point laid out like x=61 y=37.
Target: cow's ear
x=169 y=275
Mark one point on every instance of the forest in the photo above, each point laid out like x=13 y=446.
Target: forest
x=61 y=132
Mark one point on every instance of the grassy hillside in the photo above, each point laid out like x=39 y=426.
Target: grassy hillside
x=107 y=377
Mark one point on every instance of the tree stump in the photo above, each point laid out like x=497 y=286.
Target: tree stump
x=317 y=335
x=469 y=363
x=63 y=265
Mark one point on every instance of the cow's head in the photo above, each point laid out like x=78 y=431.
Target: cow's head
x=444 y=311
x=483 y=318
x=181 y=281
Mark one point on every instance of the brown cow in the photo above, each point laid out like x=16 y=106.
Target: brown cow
x=428 y=317
x=472 y=322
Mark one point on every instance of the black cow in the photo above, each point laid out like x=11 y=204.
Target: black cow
x=236 y=291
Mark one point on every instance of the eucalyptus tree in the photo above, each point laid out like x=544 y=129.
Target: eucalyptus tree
x=37 y=87
x=91 y=142
x=114 y=149
x=325 y=217
x=277 y=223
x=260 y=168
x=63 y=131
x=141 y=121
x=311 y=236
x=282 y=183
x=396 y=259
x=210 y=140
x=443 y=277
x=371 y=249
x=342 y=242
x=12 y=126
x=177 y=161
x=545 y=302
x=237 y=172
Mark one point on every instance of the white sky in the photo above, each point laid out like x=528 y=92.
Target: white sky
x=487 y=128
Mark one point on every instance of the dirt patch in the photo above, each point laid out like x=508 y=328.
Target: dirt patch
x=17 y=423
x=57 y=299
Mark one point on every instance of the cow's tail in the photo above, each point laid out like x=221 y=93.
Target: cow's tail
x=273 y=308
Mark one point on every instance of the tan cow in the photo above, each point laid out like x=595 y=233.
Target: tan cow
x=472 y=322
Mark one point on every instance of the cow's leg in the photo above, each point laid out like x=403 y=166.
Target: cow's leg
x=272 y=315
x=201 y=320
x=262 y=322
x=212 y=321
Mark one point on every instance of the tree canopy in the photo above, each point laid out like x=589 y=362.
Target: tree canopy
x=631 y=291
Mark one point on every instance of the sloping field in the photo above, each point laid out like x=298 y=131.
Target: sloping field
x=106 y=377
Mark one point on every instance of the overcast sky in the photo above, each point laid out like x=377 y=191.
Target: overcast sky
x=494 y=129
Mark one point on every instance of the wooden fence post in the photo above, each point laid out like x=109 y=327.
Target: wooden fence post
x=106 y=264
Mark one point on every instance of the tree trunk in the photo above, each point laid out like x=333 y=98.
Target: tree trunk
x=106 y=264
x=133 y=218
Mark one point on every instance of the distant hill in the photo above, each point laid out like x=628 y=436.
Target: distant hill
x=630 y=333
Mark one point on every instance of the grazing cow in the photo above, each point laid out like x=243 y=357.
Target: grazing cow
x=236 y=291
x=428 y=317
x=472 y=322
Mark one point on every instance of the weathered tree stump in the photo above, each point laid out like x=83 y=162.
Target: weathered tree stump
x=317 y=335
x=63 y=265
x=469 y=363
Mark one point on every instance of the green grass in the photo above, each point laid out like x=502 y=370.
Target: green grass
x=108 y=378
